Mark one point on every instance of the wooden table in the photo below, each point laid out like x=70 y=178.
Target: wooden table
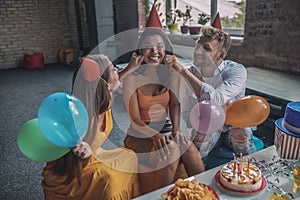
x=208 y=179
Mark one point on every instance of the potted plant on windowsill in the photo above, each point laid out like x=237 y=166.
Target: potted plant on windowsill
x=203 y=18
x=172 y=19
x=186 y=17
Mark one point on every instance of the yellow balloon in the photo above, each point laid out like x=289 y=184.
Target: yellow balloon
x=247 y=111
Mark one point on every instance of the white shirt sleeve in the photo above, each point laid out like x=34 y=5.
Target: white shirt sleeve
x=227 y=85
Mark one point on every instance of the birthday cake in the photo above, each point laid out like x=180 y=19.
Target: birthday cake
x=239 y=176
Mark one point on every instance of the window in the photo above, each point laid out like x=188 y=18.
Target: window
x=232 y=12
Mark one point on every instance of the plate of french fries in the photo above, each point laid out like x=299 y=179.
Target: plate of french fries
x=190 y=190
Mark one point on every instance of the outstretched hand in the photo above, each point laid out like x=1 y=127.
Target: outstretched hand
x=135 y=61
x=82 y=150
x=172 y=61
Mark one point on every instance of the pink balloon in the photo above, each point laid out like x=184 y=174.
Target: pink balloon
x=207 y=117
x=90 y=69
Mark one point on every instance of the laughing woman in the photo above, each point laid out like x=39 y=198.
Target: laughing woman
x=151 y=98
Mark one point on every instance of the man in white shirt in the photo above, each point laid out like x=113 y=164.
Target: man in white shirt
x=213 y=78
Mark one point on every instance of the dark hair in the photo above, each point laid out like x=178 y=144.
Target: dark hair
x=154 y=31
x=162 y=70
x=96 y=97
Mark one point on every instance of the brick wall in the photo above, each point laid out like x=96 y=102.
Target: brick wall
x=27 y=26
x=142 y=13
x=272 y=36
x=271 y=40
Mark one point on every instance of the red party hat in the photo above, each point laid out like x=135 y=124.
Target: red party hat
x=90 y=69
x=153 y=19
x=217 y=22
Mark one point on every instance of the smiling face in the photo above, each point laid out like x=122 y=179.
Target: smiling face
x=153 y=48
x=113 y=79
x=206 y=53
x=211 y=48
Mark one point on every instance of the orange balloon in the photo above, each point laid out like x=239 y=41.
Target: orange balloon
x=247 y=111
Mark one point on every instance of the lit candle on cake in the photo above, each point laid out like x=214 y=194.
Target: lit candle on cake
x=241 y=162
x=241 y=158
x=234 y=164
x=248 y=166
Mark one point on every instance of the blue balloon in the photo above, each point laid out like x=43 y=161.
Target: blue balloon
x=63 y=119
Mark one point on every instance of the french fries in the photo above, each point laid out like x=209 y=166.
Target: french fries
x=189 y=190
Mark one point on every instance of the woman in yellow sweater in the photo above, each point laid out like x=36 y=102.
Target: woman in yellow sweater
x=88 y=171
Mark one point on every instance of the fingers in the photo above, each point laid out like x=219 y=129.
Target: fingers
x=82 y=150
x=186 y=139
x=137 y=59
x=140 y=59
x=77 y=147
x=160 y=153
x=166 y=147
x=134 y=55
x=172 y=62
x=162 y=148
x=181 y=140
x=169 y=59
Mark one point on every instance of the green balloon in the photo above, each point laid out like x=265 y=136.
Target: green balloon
x=34 y=145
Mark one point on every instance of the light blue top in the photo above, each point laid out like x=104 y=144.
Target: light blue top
x=227 y=85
